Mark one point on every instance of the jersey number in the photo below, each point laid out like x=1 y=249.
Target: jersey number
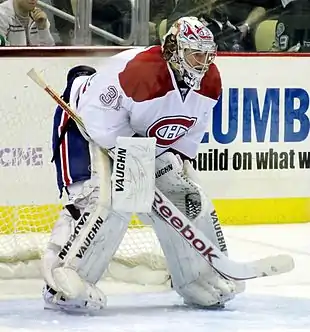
x=108 y=98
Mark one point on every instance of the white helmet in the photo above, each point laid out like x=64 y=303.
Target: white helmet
x=190 y=48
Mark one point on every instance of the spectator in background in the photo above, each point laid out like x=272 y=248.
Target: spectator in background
x=64 y=28
x=113 y=16
x=110 y=15
x=159 y=10
x=292 y=31
x=227 y=36
x=240 y=14
x=23 y=24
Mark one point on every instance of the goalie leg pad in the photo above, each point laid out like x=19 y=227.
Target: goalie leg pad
x=94 y=255
x=83 y=243
x=195 y=280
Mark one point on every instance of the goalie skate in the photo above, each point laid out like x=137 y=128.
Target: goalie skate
x=56 y=301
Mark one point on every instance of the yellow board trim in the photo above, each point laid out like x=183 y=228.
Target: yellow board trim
x=26 y=218
x=263 y=211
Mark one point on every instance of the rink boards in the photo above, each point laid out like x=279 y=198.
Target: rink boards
x=254 y=158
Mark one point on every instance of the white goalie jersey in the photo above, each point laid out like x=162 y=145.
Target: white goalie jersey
x=138 y=93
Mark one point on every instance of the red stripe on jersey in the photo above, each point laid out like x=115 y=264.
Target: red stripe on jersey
x=64 y=154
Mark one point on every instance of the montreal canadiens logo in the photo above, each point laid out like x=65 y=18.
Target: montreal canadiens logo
x=168 y=130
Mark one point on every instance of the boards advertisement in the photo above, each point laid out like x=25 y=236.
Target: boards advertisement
x=253 y=161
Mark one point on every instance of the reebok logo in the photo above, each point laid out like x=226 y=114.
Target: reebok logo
x=184 y=230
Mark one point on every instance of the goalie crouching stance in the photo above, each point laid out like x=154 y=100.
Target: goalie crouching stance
x=164 y=93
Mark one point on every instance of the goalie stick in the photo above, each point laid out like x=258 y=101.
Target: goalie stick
x=227 y=268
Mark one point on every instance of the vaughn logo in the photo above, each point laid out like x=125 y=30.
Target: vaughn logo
x=163 y=171
x=168 y=130
x=120 y=169
x=184 y=230
x=218 y=231
x=64 y=251
x=90 y=236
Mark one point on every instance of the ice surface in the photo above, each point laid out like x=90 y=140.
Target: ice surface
x=274 y=304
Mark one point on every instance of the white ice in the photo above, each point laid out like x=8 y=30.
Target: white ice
x=273 y=304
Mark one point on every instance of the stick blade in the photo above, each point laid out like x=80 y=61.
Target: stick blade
x=36 y=78
x=265 y=267
x=274 y=265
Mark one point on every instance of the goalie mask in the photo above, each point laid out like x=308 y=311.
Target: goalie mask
x=190 y=49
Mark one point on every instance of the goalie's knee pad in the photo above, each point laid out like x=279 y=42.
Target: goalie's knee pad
x=80 y=195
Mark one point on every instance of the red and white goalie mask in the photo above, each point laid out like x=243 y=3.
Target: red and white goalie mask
x=195 y=50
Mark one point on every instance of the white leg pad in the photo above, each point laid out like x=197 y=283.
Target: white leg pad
x=74 y=281
x=81 y=248
x=193 y=278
